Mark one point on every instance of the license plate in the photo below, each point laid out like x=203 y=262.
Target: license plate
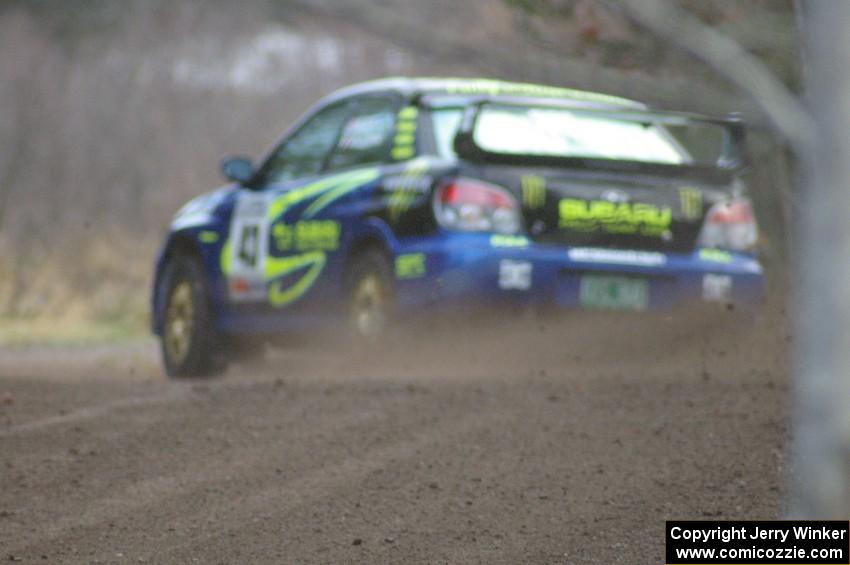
x=613 y=293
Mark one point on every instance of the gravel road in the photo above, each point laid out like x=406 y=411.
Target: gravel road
x=557 y=443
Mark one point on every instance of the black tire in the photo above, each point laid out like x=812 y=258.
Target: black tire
x=370 y=294
x=190 y=344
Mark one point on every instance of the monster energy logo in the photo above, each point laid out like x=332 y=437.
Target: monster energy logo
x=691 y=201
x=533 y=191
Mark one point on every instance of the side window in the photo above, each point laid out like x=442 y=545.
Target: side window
x=446 y=122
x=304 y=153
x=367 y=135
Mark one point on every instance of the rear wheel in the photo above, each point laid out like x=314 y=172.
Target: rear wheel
x=370 y=294
x=189 y=341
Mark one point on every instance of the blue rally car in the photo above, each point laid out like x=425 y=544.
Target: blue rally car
x=403 y=195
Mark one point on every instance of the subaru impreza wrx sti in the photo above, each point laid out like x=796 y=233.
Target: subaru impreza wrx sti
x=404 y=195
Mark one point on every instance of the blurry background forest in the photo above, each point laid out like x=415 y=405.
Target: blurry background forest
x=112 y=114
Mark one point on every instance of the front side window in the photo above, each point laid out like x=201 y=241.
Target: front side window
x=367 y=135
x=304 y=153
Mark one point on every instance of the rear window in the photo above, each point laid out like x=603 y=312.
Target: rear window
x=560 y=132
x=557 y=132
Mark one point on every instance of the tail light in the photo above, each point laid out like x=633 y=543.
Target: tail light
x=471 y=205
x=730 y=225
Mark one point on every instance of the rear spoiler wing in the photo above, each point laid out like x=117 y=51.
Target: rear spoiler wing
x=731 y=160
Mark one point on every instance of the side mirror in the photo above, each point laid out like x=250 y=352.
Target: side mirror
x=237 y=169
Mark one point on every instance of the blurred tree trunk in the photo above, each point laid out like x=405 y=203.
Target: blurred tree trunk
x=822 y=387
x=819 y=134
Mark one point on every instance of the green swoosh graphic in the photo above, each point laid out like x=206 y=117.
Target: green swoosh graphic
x=285 y=201
x=348 y=184
x=314 y=262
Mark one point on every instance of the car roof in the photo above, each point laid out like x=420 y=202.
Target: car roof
x=474 y=88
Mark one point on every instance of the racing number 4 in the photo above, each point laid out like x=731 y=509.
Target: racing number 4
x=249 y=245
x=248 y=234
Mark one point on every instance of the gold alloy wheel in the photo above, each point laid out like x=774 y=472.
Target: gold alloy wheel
x=179 y=322
x=367 y=306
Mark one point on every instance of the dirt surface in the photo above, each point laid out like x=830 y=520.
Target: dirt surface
x=540 y=443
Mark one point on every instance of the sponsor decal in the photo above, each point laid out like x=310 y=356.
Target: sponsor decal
x=716 y=288
x=207 y=236
x=407 y=182
x=533 y=191
x=614 y=217
x=404 y=143
x=715 y=255
x=690 y=200
x=499 y=240
x=306 y=235
x=410 y=266
x=514 y=275
x=618 y=256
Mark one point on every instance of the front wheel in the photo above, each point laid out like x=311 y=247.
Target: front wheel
x=189 y=341
x=370 y=295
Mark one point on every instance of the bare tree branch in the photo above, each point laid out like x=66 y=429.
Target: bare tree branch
x=404 y=26
x=786 y=114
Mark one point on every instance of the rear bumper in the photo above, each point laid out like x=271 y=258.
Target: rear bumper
x=464 y=269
